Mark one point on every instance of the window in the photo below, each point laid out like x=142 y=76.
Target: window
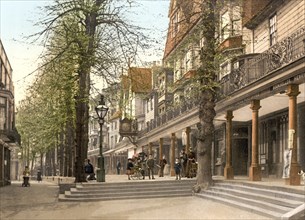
x=225 y=25
x=235 y=65
x=2 y=113
x=147 y=105
x=151 y=104
x=177 y=69
x=188 y=60
x=230 y=23
x=272 y=30
x=175 y=24
x=224 y=70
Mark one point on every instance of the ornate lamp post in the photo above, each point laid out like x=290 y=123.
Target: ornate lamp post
x=101 y=111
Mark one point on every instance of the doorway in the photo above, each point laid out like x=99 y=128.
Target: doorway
x=240 y=156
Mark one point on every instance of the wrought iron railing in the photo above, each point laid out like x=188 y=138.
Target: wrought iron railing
x=287 y=51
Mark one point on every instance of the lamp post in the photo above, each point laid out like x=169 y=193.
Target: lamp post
x=101 y=111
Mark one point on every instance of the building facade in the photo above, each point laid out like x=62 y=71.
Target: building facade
x=9 y=137
x=260 y=121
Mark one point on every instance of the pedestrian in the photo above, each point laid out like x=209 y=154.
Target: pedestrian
x=183 y=160
x=26 y=176
x=118 y=167
x=143 y=165
x=163 y=162
x=177 y=168
x=129 y=169
x=89 y=171
x=150 y=166
x=191 y=163
x=39 y=178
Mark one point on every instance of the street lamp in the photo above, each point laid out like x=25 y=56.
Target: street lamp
x=101 y=111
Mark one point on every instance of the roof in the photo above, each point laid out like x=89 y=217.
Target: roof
x=188 y=18
x=140 y=80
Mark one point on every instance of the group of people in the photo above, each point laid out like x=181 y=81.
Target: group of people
x=146 y=165
x=185 y=165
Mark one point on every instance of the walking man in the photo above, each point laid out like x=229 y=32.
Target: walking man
x=150 y=166
x=118 y=167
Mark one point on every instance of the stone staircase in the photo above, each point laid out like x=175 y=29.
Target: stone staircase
x=269 y=201
x=128 y=190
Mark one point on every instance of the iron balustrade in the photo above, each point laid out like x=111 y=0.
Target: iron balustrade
x=283 y=53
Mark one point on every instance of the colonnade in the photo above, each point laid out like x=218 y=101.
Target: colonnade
x=255 y=173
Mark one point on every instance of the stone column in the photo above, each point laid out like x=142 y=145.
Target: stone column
x=293 y=92
x=173 y=146
x=228 y=172
x=188 y=139
x=150 y=146
x=160 y=149
x=134 y=151
x=255 y=172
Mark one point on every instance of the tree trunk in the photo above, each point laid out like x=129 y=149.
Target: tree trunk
x=82 y=100
x=41 y=163
x=207 y=77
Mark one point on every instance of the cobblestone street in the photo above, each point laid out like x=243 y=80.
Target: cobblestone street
x=40 y=202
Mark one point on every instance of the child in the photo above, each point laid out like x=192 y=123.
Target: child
x=177 y=168
x=129 y=168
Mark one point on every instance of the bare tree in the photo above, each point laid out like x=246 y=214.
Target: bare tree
x=95 y=34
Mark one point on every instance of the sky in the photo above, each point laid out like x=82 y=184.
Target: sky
x=17 y=19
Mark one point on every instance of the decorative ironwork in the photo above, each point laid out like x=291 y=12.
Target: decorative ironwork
x=278 y=56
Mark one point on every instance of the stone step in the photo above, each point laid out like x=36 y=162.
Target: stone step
x=268 y=201
x=85 y=190
x=260 y=186
x=65 y=198
x=94 y=191
x=241 y=205
x=128 y=193
x=278 y=192
x=253 y=202
x=138 y=183
x=264 y=195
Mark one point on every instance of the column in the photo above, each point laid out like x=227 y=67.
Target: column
x=293 y=92
x=188 y=139
x=255 y=170
x=134 y=151
x=150 y=145
x=228 y=172
x=160 y=149
x=173 y=145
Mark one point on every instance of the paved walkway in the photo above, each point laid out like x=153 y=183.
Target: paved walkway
x=40 y=202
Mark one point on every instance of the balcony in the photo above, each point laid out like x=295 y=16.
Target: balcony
x=288 y=51
x=233 y=42
x=10 y=136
